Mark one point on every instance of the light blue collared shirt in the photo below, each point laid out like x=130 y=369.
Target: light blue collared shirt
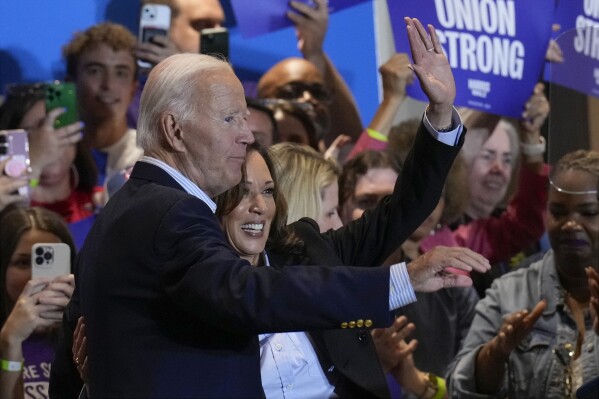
x=189 y=186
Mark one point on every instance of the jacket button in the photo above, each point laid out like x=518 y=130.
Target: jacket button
x=360 y=323
x=368 y=323
x=344 y=325
x=352 y=324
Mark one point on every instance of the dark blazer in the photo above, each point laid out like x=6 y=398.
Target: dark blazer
x=172 y=311
x=348 y=356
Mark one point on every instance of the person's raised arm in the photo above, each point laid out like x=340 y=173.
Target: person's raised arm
x=311 y=25
x=395 y=75
x=536 y=111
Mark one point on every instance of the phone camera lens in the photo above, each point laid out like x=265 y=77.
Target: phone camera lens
x=39 y=251
x=39 y=260
x=47 y=256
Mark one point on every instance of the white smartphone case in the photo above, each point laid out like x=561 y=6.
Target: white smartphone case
x=154 y=19
x=50 y=260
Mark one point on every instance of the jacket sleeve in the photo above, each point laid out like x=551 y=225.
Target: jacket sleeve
x=372 y=238
x=206 y=279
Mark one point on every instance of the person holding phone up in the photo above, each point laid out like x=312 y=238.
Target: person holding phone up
x=188 y=19
x=23 y=108
x=30 y=309
x=62 y=176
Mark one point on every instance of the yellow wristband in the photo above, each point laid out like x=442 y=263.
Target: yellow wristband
x=9 y=365
x=377 y=135
x=33 y=183
x=442 y=388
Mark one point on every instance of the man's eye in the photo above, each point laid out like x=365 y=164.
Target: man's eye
x=229 y=119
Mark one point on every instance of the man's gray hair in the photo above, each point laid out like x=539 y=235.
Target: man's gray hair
x=172 y=87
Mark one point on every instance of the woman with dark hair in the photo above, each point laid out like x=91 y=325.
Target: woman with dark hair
x=30 y=309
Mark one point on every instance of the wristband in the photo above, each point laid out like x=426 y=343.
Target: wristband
x=373 y=134
x=534 y=149
x=435 y=387
x=9 y=365
x=33 y=183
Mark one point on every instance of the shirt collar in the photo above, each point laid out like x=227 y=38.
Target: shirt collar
x=189 y=186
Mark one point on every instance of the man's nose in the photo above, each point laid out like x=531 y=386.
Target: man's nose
x=107 y=80
x=307 y=97
x=247 y=137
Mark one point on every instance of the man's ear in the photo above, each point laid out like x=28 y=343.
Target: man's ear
x=173 y=134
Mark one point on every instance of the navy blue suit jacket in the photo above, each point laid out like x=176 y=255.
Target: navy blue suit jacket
x=172 y=311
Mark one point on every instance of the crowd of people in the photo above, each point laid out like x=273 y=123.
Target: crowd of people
x=276 y=246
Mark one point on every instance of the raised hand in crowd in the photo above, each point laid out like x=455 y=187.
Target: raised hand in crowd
x=495 y=353
x=154 y=51
x=46 y=143
x=311 y=23
x=536 y=111
x=396 y=75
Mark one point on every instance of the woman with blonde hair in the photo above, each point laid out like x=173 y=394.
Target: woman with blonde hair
x=309 y=183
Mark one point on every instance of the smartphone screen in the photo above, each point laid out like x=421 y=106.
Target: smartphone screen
x=62 y=95
x=215 y=41
x=50 y=260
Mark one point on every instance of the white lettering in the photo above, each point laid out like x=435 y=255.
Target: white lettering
x=490 y=16
x=46 y=369
x=499 y=56
x=30 y=372
x=591 y=8
x=587 y=37
x=479 y=88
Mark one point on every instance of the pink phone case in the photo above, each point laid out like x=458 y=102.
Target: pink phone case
x=14 y=146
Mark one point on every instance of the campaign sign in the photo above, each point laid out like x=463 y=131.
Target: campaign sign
x=496 y=48
x=257 y=17
x=580 y=47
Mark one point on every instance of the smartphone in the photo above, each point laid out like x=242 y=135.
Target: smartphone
x=50 y=260
x=215 y=41
x=14 y=145
x=154 y=20
x=62 y=95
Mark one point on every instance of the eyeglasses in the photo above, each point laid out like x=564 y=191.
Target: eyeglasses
x=296 y=90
